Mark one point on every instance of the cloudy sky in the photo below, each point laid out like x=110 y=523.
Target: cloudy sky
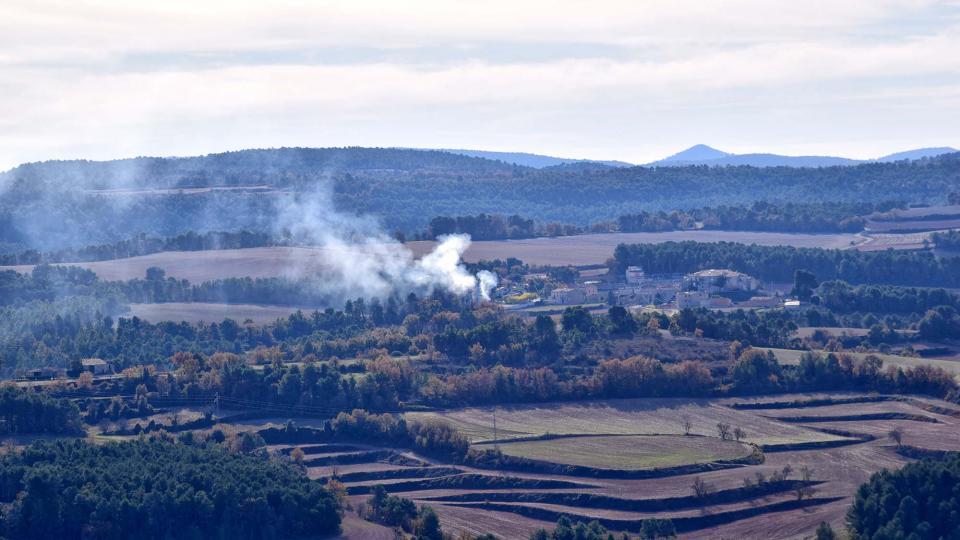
x=632 y=80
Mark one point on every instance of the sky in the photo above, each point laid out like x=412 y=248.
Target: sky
x=632 y=80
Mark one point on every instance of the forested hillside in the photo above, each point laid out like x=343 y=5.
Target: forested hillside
x=158 y=490
x=61 y=204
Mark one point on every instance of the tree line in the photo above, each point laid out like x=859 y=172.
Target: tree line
x=811 y=217
x=142 y=244
x=779 y=263
x=949 y=240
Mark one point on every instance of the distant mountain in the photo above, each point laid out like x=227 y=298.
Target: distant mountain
x=536 y=161
x=919 y=153
x=695 y=154
x=702 y=154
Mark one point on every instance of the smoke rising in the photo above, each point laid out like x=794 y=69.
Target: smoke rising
x=285 y=192
x=360 y=260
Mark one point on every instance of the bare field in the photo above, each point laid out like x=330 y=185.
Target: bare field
x=628 y=452
x=199 y=266
x=597 y=248
x=808 y=331
x=197 y=311
x=883 y=241
x=913 y=226
x=621 y=503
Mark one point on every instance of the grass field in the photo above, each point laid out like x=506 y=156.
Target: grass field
x=620 y=417
x=195 y=312
x=629 y=452
x=792 y=357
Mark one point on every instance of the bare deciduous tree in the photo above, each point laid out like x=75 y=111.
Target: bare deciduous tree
x=896 y=435
x=700 y=488
x=723 y=429
x=686 y=423
x=782 y=474
x=804 y=489
x=739 y=433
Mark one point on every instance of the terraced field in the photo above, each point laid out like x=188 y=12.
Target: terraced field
x=630 y=452
x=841 y=436
x=619 y=417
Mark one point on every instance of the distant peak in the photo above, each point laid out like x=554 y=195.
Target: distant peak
x=698 y=152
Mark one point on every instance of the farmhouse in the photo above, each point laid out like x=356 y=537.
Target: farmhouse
x=567 y=296
x=95 y=366
x=715 y=281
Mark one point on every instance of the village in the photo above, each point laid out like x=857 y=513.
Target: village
x=720 y=289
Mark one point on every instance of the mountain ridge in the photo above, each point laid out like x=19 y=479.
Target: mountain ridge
x=702 y=154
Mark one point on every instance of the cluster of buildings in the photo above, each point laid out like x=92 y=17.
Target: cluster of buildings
x=96 y=366
x=713 y=288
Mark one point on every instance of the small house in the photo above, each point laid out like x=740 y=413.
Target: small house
x=96 y=366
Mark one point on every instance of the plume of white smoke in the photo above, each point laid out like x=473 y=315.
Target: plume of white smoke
x=354 y=256
x=357 y=259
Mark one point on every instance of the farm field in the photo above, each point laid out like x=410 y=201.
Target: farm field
x=587 y=249
x=597 y=248
x=630 y=452
x=792 y=357
x=514 y=501
x=618 y=417
x=808 y=331
x=199 y=311
x=916 y=219
x=877 y=241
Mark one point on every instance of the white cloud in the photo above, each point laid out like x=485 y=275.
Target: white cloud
x=105 y=79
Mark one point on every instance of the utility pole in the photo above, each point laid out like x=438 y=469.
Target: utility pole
x=216 y=403
x=496 y=445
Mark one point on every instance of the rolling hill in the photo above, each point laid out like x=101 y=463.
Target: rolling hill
x=702 y=154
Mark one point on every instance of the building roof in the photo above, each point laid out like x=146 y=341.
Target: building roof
x=716 y=272
x=93 y=362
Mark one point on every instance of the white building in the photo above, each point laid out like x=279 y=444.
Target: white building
x=634 y=275
x=715 y=281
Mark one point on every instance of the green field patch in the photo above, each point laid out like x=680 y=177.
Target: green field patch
x=642 y=416
x=629 y=453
